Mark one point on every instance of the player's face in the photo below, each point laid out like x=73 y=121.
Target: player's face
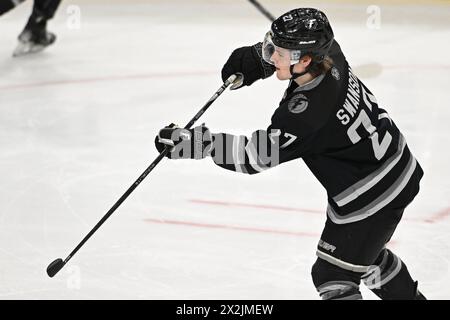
x=284 y=72
x=282 y=69
x=281 y=58
x=285 y=56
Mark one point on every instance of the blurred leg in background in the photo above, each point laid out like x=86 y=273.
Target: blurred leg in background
x=35 y=37
x=6 y=5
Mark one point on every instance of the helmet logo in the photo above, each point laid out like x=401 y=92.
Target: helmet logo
x=307 y=42
x=287 y=18
x=311 y=24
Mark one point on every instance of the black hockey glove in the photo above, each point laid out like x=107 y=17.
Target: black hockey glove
x=195 y=143
x=249 y=62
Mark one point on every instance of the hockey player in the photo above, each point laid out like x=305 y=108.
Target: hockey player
x=331 y=120
x=34 y=37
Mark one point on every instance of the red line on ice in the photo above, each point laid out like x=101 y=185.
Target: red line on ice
x=108 y=78
x=434 y=218
x=169 y=75
x=257 y=206
x=230 y=227
x=439 y=216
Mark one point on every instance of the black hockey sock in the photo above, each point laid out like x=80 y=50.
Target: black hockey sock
x=390 y=279
x=46 y=8
x=43 y=10
x=5 y=6
x=36 y=23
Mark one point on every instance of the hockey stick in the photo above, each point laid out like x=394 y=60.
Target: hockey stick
x=58 y=264
x=262 y=10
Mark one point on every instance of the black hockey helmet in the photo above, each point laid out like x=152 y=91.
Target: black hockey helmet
x=302 y=31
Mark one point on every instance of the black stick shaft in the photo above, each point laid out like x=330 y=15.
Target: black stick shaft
x=262 y=10
x=229 y=81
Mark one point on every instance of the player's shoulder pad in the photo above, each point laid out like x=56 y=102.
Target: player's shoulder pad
x=309 y=107
x=295 y=114
x=304 y=111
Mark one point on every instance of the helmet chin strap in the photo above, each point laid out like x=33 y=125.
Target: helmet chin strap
x=296 y=75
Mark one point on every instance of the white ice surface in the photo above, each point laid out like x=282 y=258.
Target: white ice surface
x=77 y=124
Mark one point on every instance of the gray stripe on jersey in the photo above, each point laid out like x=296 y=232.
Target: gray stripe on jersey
x=379 y=202
x=339 y=290
x=336 y=285
x=356 y=296
x=253 y=157
x=379 y=276
x=384 y=260
x=310 y=85
x=383 y=116
x=238 y=149
x=389 y=274
x=342 y=264
x=354 y=191
x=238 y=152
x=241 y=168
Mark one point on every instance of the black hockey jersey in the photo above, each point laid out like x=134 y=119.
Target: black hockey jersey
x=349 y=143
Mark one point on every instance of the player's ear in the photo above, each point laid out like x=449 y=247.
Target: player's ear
x=305 y=61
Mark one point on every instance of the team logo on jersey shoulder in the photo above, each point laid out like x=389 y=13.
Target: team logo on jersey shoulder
x=298 y=103
x=335 y=73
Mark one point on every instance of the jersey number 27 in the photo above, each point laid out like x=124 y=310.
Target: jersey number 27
x=379 y=147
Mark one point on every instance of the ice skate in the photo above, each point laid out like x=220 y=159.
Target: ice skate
x=32 y=42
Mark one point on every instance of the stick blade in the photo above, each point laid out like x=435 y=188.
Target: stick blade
x=54 y=267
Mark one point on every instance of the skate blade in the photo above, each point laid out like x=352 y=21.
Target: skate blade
x=24 y=49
